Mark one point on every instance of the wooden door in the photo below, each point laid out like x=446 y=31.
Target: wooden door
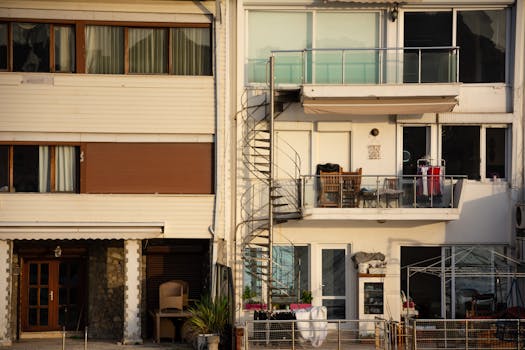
x=51 y=295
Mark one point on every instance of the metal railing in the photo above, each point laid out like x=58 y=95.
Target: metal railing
x=467 y=334
x=381 y=191
x=438 y=64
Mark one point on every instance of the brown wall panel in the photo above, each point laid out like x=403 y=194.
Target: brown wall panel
x=148 y=168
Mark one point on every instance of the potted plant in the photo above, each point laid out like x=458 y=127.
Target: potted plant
x=306 y=301
x=249 y=303
x=208 y=323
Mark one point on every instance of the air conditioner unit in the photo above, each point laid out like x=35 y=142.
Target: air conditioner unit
x=520 y=216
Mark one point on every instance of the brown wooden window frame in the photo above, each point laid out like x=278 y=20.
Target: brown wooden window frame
x=52 y=164
x=79 y=27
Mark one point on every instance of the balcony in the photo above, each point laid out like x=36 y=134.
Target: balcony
x=367 y=81
x=332 y=196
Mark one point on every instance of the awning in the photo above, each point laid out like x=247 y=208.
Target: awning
x=80 y=230
x=379 y=106
x=379 y=99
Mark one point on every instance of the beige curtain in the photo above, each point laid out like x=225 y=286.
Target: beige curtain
x=65 y=169
x=64 y=49
x=43 y=169
x=191 y=51
x=104 y=50
x=147 y=50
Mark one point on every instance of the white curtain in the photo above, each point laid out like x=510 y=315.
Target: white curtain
x=43 y=169
x=65 y=169
x=147 y=50
x=64 y=49
x=191 y=51
x=104 y=49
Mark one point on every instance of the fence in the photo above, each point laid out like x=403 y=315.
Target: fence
x=471 y=334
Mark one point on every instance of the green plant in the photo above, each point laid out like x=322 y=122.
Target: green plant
x=306 y=296
x=209 y=317
x=248 y=294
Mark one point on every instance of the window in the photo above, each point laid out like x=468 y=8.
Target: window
x=461 y=150
x=104 y=50
x=268 y=31
x=428 y=29
x=480 y=34
x=29 y=168
x=496 y=155
x=109 y=49
x=290 y=270
x=481 y=37
x=416 y=142
x=32 y=51
x=3 y=46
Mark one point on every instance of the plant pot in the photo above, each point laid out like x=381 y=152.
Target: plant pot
x=299 y=306
x=208 y=342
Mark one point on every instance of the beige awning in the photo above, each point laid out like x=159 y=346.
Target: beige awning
x=366 y=1
x=380 y=106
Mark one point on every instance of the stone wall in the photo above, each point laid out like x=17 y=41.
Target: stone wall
x=106 y=291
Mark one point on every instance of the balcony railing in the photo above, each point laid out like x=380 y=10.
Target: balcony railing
x=346 y=66
x=379 y=191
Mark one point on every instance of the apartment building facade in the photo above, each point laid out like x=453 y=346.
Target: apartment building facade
x=380 y=148
x=112 y=161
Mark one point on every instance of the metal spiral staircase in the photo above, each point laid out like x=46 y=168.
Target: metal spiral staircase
x=268 y=201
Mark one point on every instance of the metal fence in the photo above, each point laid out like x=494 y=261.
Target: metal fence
x=383 y=334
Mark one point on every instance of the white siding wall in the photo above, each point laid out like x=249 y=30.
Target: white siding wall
x=106 y=103
x=183 y=216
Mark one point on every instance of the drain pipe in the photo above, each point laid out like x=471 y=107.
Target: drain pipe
x=217 y=19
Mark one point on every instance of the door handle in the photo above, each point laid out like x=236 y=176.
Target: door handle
x=51 y=294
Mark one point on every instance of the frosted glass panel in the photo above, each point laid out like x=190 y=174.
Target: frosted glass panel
x=277 y=31
x=346 y=30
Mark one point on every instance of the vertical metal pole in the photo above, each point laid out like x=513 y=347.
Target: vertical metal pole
x=85 y=338
x=342 y=67
x=466 y=334
x=518 y=343
x=338 y=334
x=415 y=192
x=414 y=337
x=63 y=337
x=419 y=70
x=270 y=185
x=293 y=335
x=451 y=192
x=457 y=64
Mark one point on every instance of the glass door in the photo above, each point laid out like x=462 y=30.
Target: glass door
x=334 y=281
x=51 y=295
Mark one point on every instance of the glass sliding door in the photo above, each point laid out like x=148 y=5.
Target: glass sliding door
x=333 y=278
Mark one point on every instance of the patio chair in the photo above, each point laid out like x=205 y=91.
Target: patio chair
x=330 y=189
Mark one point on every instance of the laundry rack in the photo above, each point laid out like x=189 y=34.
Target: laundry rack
x=430 y=180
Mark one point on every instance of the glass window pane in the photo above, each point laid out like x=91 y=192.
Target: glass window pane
x=44 y=317
x=460 y=150
x=335 y=309
x=496 y=155
x=44 y=274
x=64 y=49
x=66 y=158
x=415 y=146
x=25 y=168
x=4 y=168
x=3 y=45
x=290 y=269
x=33 y=274
x=104 y=50
x=147 y=50
x=269 y=31
x=346 y=30
x=32 y=317
x=481 y=37
x=334 y=275
x=428 y=29
x=62 y=296
x=30 y=47
x=191 y=51
x=33 y=296
x=44 y=296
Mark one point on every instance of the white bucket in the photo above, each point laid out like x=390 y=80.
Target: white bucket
x=363 y=268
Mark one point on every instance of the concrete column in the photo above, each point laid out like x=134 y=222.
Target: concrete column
x=5 y=293
x=132 y=292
